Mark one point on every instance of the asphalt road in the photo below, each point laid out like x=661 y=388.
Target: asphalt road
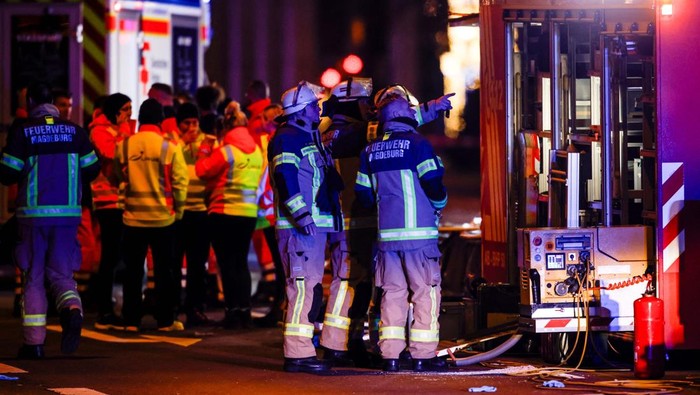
x=216 y=361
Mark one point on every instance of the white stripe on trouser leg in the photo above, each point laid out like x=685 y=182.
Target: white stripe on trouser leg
x=300 y=330
x=424 y=335
x=392 y=332
x=34 y=320
x=337 y=321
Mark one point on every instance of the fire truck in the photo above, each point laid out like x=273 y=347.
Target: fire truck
x=98 y=47
x=588 y=161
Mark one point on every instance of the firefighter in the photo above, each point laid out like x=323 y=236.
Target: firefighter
x=232 y=173
x=306 y=190
x=53 y=156
x=353 y=125
x=402 y=177
x=351 y=250
x=154 y=176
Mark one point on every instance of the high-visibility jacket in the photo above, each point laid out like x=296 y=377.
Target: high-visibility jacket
x=49 y=158
x=105 y=135
x=154 y=174
x=401 y=174
x=170 y=130
x=196 y=189
x=232 y=173
x=299 y=166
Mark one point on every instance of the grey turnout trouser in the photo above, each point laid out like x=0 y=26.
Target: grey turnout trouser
x=303 y=259
x=398 y=272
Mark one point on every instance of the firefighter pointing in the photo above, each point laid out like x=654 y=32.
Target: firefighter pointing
x=306 y=192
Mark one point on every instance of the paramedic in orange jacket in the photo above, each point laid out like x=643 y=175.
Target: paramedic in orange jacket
x=154 y=175
x=106 y=130
x=232 y=173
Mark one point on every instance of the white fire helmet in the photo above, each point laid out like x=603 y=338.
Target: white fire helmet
x=395 y=90
x=295 y=99
x=353 y=89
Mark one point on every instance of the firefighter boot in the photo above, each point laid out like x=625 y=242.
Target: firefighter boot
x=391 y=365
x=31 y=351
x=71 y=325
x=338 y=358
x=435 y=364
x=306 y=365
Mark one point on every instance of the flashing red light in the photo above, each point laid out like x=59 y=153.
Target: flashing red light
x=330 y=77
x=352 y=64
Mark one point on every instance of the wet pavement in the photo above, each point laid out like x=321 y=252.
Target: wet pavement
x=212 y=360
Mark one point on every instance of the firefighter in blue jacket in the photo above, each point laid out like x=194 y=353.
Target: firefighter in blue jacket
x=307 y=208
x=50 y=159
x=402 y=176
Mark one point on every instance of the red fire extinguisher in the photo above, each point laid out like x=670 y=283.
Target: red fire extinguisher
x=649 y=346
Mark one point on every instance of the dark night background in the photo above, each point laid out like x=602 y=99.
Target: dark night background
x=283 y=42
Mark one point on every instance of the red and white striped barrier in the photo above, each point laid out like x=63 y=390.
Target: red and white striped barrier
x=673 y=197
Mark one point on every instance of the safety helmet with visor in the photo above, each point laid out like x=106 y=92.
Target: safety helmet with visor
x=354 y=88
x=295 y=99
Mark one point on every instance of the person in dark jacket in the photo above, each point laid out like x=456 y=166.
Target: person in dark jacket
x=49 y=158
x=307 y=210
x=401 y=176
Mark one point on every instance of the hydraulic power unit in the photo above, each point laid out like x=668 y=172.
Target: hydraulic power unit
x=574 y=278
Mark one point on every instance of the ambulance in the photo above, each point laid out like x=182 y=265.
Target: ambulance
x=97 y=47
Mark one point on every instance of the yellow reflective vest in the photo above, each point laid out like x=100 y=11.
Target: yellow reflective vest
x=233 y=174
x=154 y=177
